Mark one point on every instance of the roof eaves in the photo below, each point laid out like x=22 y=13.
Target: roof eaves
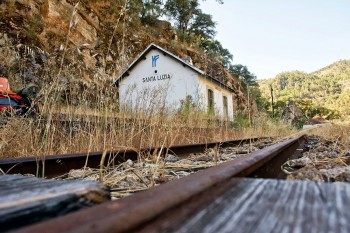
x=165 y=52
x=221 y=84
x=180 y=60
x=127 y=70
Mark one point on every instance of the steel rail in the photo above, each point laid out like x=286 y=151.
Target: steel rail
x=140 y=209
x=56 y=165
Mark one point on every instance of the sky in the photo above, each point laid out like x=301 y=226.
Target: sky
x=272 y=36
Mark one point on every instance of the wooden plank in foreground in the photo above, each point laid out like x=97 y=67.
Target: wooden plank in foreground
x=264 y=205
x=26 y=200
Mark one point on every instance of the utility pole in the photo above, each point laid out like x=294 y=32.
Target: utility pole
x=249 y=116
x=250 y=119
x=272 y=105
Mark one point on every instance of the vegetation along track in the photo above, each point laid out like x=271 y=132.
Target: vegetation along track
x=137 y=211
x=56 y=165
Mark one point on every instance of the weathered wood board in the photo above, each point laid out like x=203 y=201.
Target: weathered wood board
x=264 y=205
x=26 y=200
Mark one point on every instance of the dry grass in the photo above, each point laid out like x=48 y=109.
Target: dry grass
x=85 y=133
x=134 y=176
x=91 y=121
x=335 y=132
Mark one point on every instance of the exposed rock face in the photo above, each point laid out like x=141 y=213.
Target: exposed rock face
x=7 y=53
x=292 y=113
x=51 y=21
x=85 y=43
x=70 y=21
x=45 y=37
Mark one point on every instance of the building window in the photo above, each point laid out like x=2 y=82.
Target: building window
x=224 y=104
x=210 y=101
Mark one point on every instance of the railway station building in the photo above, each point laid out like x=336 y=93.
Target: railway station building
x=175 y=80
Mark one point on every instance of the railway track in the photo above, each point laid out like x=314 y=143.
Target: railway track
x=179 y=205
x=56 y=165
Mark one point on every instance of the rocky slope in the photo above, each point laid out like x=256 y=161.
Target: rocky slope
x=83 y=45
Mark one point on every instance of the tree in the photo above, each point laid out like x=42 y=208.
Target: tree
x=182 y=12
x=197 y=26
x=242 y=72
x=262 y=103
x=151 y=10
x=215 y=49
x=202 y=25
x=188 y=17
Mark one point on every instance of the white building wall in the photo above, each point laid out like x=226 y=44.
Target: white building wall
x=218 y=101
x=231 y=113
x=169 y=78
x=219 y=92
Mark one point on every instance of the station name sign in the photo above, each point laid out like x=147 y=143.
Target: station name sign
x=156 y=78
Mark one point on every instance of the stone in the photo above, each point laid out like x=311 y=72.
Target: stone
x=344 y=176
x=299 y=162
x=292 y=114
x=331 y=174
x=203 y=159
x=172 y=158
x=308 y=173
x=130 y=162
x=321 y=148
x=210 y=152
x=332 y=154
x=336 y=174
x=76 y=173
x=320 y=156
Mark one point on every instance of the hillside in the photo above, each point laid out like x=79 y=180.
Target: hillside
x=325 y=91
x=80 y=46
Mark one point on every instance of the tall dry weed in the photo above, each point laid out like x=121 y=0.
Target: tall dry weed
x=79 y=109
x=333 y=132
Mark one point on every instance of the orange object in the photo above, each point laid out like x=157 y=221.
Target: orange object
x=5 y=86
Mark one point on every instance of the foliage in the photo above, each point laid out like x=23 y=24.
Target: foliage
x=189 y=18
x=242 y=72
x=202 y=25
x=195 y=26
x=151 y=10
x=36 y=26
x=187 y=105
x=182 y=12
x=215 y=49
x=310 y=110
x=324 y=92
x=241 y=121
x=262 y=102
x=187 y=15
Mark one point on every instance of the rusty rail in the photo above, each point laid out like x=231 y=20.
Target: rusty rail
x=56 y=165
x=140 y=209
